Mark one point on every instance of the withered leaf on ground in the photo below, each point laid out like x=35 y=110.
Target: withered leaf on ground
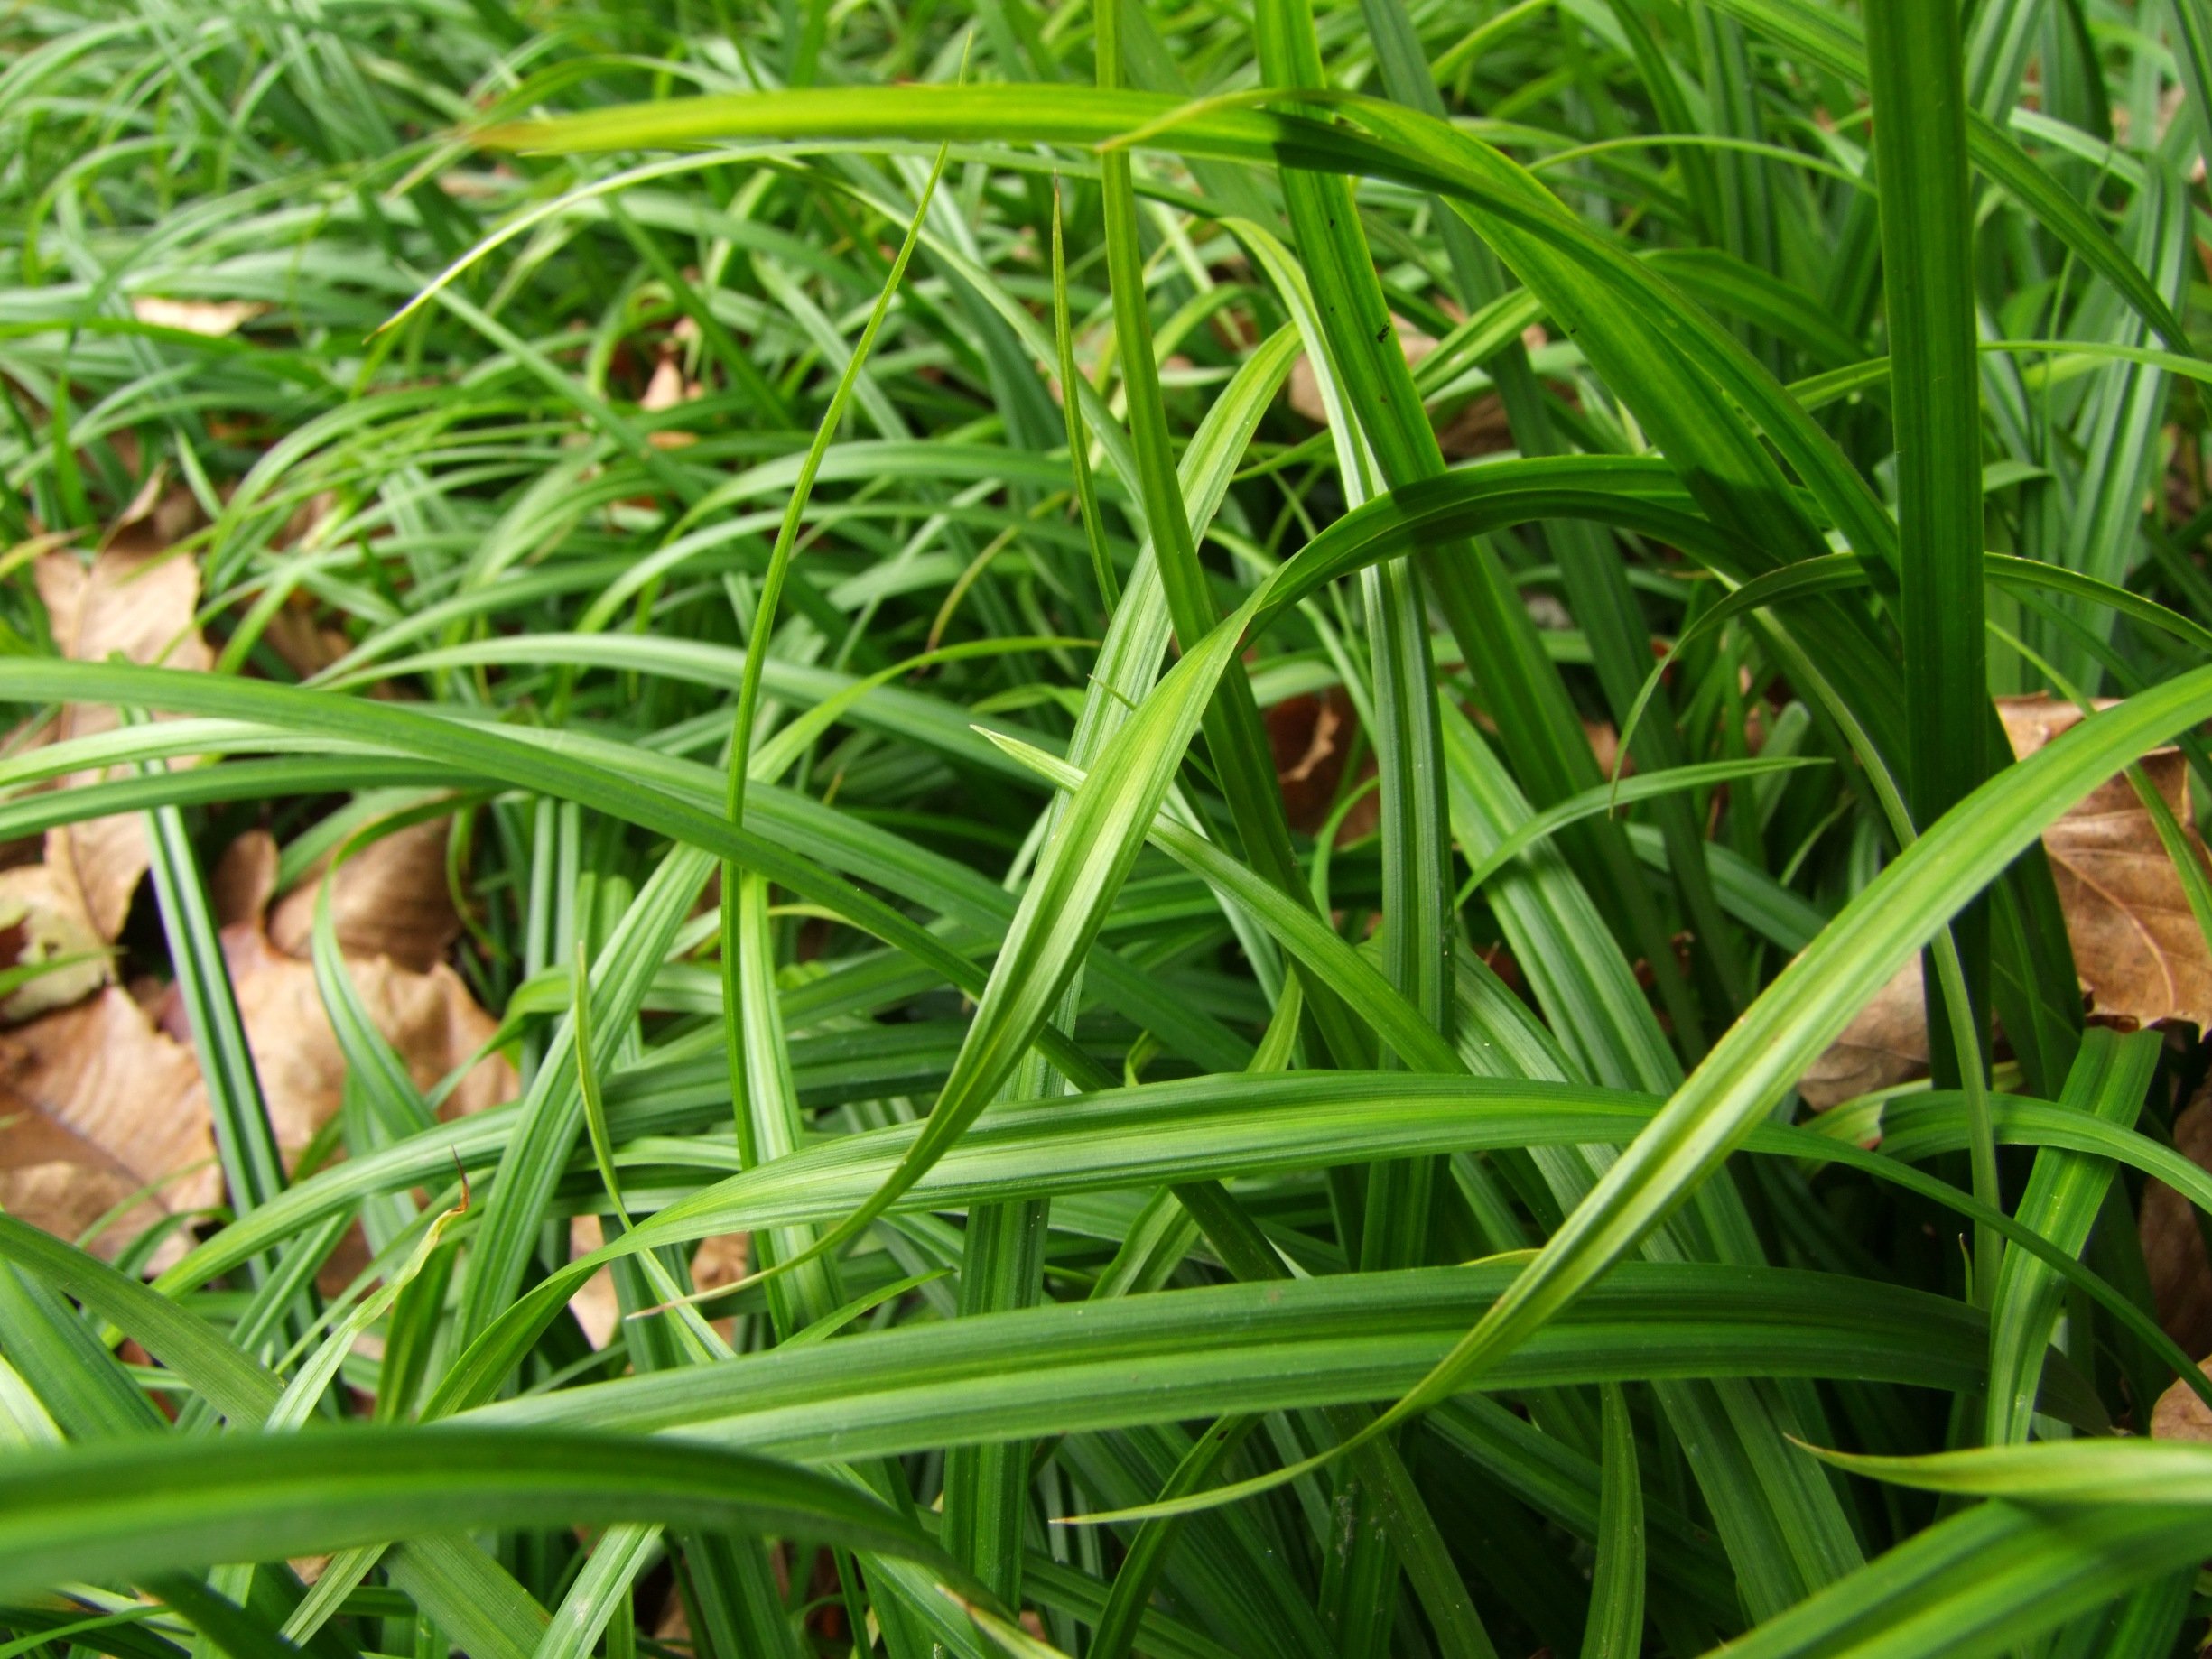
x=302 y=644
x=1310 y=735
x=1885 y=1045
x=136 y=599
x=717 y=1260
x=2141 y=955
x=390 y=899
x=429 y=1019
x=243 y=879
x=2174 y=1250
x=102 y=1098
x=212 y=317
x=664 y=390
x=2180 y=1413
x=596 y=1305
x=99 y=1104
x=1477 y=427
x=42 y=922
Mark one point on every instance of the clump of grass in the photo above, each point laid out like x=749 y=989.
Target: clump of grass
x=1251 y=1133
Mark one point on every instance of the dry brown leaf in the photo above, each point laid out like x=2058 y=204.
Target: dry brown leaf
x=2180 y=1413
x=212 y=317
x=244 y=879
x=2136 y=942
x=596 y=1307
x=42 y=919
x=430 y=1019
x=1885 y=1045
x=1605 y=748
x=302 y=644
x=673 y=1627
x=132 y=597
x=101 y=1104
x=63 y=1183
x=389 y=899
x=301 y=641
x=104 y=858
x=1310 y=735
x=138 y=601
x=722 y=1259
x=2174 y=1250
x=665 y=390
x=1478 y=427
x=102 y=1099
x=2142 y=958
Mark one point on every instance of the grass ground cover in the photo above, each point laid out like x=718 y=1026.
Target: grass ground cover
x=1320 y=830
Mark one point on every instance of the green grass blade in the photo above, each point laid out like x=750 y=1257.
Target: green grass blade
x=138 y=1509
x=1616 y=1599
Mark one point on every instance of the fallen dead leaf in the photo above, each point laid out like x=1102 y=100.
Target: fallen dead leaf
x=1605 y=748
x=596 y=1307
x=63 y=1184
x=430 y=1019
x=390 y=899
x=99 y=1104
x=212 y=317
x=304 y=644
x=243 y=879
x=666 y=389
x=139 y=601
x=1310 y=735
x=2141 y=955
x=1885 y=1045
x=2180 y=1414
x=1479 y=427
x=720 y=1260
x=673 y=1627
x=111 y=1099
x=42 y=920
x=2174 y=1250
x=2136 y=942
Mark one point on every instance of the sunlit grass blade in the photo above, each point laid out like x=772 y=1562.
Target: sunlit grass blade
x=136 y=1509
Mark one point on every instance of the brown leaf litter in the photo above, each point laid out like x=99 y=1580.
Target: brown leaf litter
x=103 y=1098
x=428 y=1015
x=97 y=1106
x=139 y=599
x=719 y=1260
x=211 y=318
x=390 y=899
x=100 y=1097
x=2180 y=1414
x=2141 y=955
x=2173 y=1249
x=1478 y=427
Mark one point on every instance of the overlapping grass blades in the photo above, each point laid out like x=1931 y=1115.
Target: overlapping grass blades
x=1108 y=885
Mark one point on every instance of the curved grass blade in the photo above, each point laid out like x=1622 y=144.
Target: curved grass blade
x=140 y=1508
x=1615 y=1630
